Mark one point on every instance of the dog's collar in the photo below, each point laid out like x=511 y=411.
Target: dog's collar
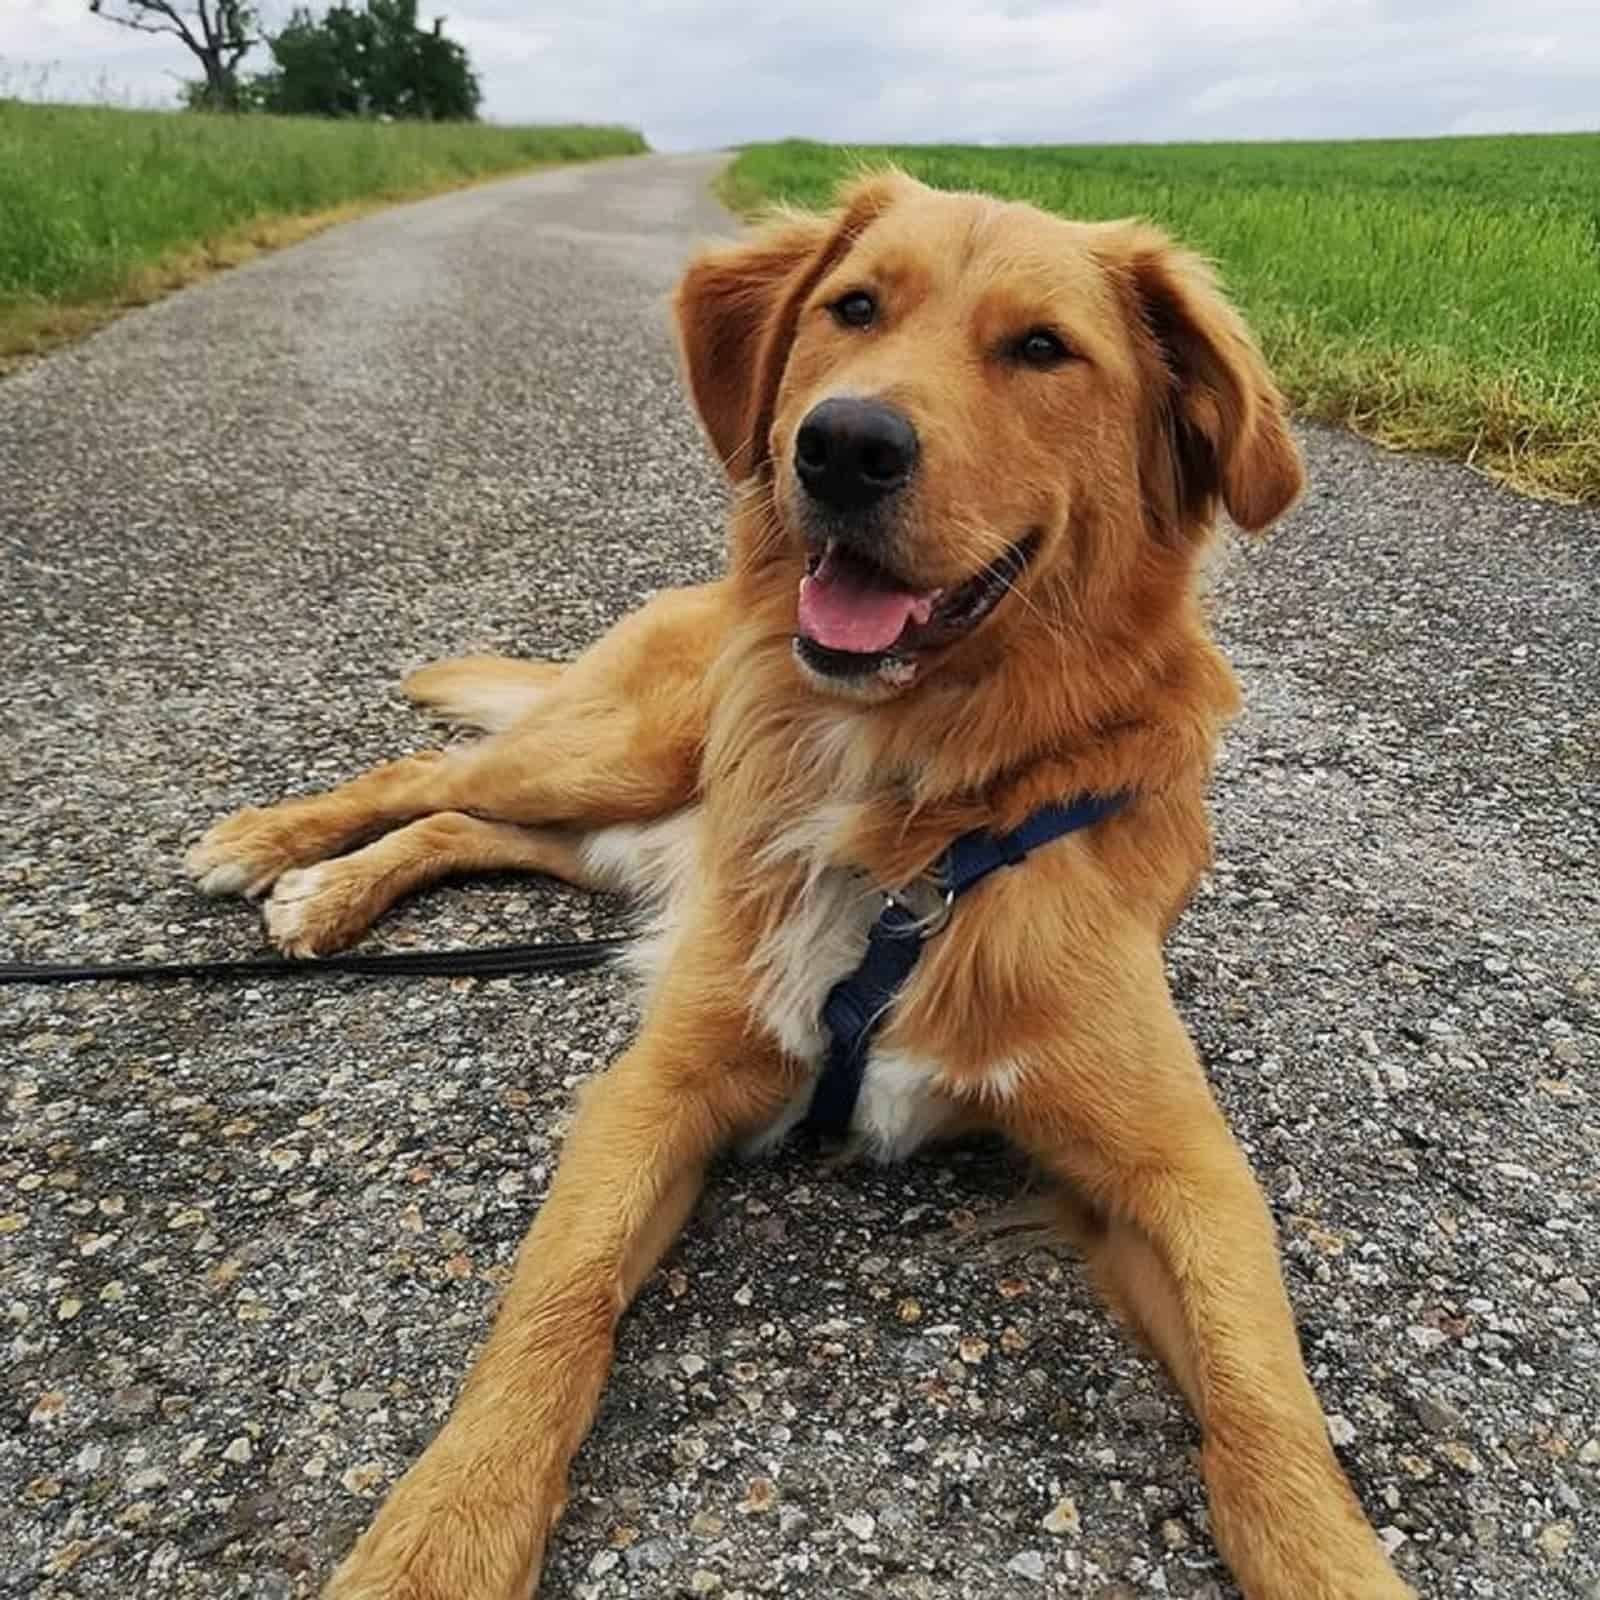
x=858 y=1005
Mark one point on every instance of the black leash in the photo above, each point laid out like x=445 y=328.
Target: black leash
x=492 y=961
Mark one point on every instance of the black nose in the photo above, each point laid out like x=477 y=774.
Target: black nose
x=850 y=453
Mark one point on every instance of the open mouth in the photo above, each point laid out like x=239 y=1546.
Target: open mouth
x=856 y=617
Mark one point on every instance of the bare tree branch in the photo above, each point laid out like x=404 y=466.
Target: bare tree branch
x=148 y=27
x=218 y=33
x=137 y=14
x=207 y=26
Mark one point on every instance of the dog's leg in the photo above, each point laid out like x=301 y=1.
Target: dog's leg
x=1177 y=1234
x=248 y=852
x=595 y=766
x=615 y=737
x=470 y=1520
x=488 y=692
x=321 y=908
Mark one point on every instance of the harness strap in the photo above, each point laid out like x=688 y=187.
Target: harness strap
x=857 y=1006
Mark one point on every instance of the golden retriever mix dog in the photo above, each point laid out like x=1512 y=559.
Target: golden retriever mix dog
x=977 y=452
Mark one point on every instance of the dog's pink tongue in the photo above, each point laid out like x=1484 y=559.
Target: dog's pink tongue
x=847 y=605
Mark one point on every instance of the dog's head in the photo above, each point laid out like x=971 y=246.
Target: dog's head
x=942 y=405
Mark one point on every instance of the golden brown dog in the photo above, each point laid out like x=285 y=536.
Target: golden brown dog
x=977 y=452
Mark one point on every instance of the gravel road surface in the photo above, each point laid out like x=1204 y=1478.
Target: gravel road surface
x=249 y=1234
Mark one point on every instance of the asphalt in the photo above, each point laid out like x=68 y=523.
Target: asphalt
x=249 y=1233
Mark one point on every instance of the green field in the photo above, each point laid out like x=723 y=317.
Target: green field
x=101 y=206
x=1438 y=294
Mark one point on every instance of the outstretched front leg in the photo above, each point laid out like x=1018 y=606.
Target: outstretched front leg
x=1177 y=1235
x=614 y=737
x=471 y=1519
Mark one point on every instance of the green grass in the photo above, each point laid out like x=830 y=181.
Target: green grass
x=1439 y=294
x=100 y=207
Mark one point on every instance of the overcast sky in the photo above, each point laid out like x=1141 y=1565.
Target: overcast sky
x=701 y=73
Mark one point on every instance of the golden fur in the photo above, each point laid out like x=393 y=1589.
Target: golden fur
x=689 y=755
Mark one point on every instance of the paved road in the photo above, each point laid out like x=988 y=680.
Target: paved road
x=252 y=1233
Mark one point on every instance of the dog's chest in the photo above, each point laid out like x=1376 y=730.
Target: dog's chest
x=795 y=967
x=820 y=940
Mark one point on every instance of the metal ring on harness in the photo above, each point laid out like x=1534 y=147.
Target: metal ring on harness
x=926 y=900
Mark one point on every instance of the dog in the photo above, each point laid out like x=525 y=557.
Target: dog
x=977 y=453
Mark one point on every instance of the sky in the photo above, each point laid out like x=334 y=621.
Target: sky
x=700 y=74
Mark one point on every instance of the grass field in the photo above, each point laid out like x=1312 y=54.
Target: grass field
x=101 y=208
x=1438 y=294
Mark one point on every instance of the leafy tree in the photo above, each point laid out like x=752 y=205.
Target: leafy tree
x=372 y=62
x=320 y=68
x=217 y=32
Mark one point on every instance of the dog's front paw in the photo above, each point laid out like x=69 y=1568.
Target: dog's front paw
x=448 y=1532
x=1287 y=1524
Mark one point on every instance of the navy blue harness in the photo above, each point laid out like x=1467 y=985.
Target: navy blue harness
x=858 y=1004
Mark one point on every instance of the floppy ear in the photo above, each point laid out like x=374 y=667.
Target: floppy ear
x=737 y=307
x=1218 y=428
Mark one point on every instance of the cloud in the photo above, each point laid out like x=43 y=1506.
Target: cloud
x=704 y=73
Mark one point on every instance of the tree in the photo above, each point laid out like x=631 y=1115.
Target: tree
x=420 y=74
x=217 y=32
x=319 y=67
x=368 y=63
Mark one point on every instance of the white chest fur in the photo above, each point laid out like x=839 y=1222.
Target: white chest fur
x=792 y=971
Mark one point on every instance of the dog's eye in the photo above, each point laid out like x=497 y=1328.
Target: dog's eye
x=1039 y=347
x=855 y=310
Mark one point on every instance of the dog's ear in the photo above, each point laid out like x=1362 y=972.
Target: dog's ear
x=737 y=307
x=1216 y=427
